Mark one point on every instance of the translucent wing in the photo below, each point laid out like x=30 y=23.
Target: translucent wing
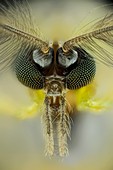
x=18 y=34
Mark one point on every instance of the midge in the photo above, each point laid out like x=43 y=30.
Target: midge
x=55 y=68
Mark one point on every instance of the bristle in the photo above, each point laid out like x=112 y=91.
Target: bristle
x=48 y=130
x=23 y=35
x=17 y=33
x=63 y=129
x=97 y=40
x=18 y=16
x=79 y=39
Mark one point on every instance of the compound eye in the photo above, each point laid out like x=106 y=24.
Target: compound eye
x=83 y=72
x=67 y=59
x=27 y=72
x=42 y=59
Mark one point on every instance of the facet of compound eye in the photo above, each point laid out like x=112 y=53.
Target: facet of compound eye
x=42 y=59
x=82 y=74
x=67 y=59
x=27 y=73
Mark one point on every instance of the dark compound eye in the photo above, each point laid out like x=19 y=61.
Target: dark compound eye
x=83 y=72
x=27 y=72
x=28 y=68
x=77 y=65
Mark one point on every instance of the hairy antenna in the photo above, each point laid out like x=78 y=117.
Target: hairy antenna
x=72 y=42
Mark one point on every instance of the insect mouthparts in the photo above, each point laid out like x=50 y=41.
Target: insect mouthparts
x=56 y=117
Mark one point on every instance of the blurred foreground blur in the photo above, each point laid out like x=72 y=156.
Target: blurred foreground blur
x=21 y=141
